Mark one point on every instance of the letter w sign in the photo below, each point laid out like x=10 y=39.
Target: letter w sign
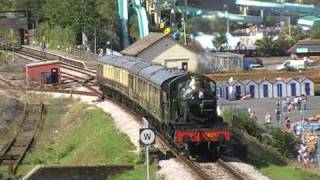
x=147 y=136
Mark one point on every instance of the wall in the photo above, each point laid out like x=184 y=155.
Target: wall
x=55 y=172
x=171 y=53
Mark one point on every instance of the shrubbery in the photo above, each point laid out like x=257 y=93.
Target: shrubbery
x=282 y=141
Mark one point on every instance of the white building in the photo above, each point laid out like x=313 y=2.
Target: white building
x=279 y=88
x=265 y=88
x=252 y=88
x=293 y=87
x=236 y=90
x=306 y=86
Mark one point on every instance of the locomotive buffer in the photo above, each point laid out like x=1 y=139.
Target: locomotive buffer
x=147 y=137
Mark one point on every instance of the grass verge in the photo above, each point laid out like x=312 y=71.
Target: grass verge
x=74 y=133
x=273 y=165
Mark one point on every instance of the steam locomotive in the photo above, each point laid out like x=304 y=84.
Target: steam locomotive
x=180 y=105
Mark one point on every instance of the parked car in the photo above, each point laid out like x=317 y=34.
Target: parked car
x=292 y=65
x=257 y=67
x=249 y=61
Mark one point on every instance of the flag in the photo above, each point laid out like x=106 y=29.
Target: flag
x=85 y=41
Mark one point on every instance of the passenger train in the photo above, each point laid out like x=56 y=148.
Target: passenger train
x=182 y=106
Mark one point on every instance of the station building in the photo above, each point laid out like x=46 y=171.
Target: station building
x=42 y=73
x=160 y=48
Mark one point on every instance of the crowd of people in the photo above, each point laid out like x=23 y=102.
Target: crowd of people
x=304 y=129
x=307 y=149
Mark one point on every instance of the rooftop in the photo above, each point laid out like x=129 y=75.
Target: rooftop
x=141 y=45
x=42 y=63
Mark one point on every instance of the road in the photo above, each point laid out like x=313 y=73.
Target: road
x=262 y=106
x=271 y=63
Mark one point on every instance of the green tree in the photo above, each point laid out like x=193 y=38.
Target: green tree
x=134 y=28
x=294 y=36
x=219 y=40
x=33 y=6
x=315 y=31
x=267 y=45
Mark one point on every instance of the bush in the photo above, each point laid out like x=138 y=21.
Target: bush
x=283 y=142
x=241 y=118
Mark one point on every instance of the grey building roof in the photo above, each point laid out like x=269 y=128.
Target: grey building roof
x=144 y=43
x=306 y=46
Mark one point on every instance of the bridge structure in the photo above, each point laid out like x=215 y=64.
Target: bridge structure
x=18 y=20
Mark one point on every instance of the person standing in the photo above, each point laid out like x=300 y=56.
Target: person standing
x=268 y=118
x=288 y=122
x=253 y=115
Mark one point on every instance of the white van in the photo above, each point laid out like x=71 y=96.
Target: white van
x=292 y=65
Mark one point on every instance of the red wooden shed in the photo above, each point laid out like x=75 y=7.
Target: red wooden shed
x=43 y=73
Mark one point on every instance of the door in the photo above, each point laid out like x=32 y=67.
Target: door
x=293 y=89
x=54 y=75
x=227 y=92
x=307 y=89
x=265 y=90
x=279 y=90
x=252 y=91
x=238 y=92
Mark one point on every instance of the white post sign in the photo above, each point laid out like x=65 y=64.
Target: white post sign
x=147 y=137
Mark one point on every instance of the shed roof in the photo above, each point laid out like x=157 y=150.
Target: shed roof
x=246 y=82
x=291 y=79
x=42 y=63
x=306 y=46
x=144 y=43
x=260 y=81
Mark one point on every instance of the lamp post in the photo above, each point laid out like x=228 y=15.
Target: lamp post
x=303 y=107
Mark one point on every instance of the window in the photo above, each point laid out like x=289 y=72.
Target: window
x=184 y=66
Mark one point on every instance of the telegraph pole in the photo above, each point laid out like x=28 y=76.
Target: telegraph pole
x=184 y=22
x=95 y=40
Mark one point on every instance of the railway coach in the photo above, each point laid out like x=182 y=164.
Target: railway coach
x=180 y=105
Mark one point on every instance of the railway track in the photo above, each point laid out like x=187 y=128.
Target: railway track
x=13 y=153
